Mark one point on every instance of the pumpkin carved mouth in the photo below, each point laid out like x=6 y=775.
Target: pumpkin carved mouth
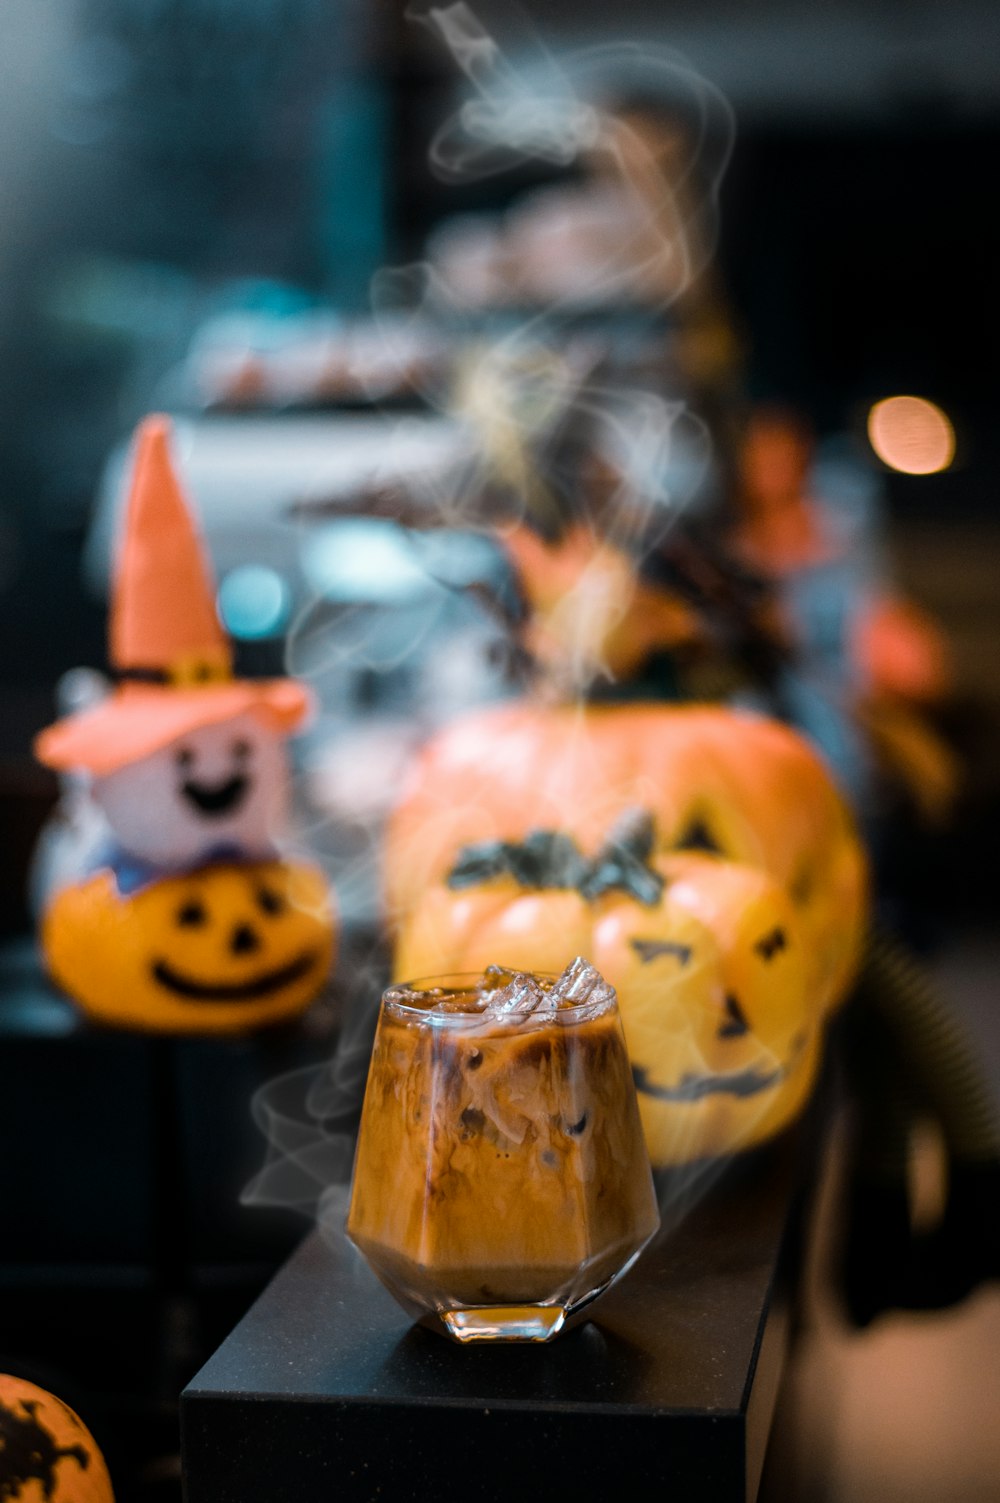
x=695 y=1087
x=741 y=1083
x=256 y=988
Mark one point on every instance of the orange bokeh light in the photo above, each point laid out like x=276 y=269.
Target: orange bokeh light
x=911 y=435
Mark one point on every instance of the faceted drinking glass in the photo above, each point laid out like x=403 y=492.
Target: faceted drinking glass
x=501 y=1178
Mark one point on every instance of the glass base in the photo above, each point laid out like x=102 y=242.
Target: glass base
x=468 y=1323
x=503 y=1322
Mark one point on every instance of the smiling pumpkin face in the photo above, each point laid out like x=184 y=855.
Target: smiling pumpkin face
x=222 y=950
x=739 y=785
x=722 y=1025
x=712 y=967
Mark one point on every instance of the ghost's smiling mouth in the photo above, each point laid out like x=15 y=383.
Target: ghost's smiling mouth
x=257 y=988
x=216 y=798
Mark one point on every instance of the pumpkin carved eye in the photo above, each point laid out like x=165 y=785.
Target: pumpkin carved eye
x=269 y=901
x=191 y=915
x=652 y=949
x=771 y=943
x=697 y=836
x=735 y=1024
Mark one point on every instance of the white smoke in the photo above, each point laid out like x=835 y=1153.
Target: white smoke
x=518 y=383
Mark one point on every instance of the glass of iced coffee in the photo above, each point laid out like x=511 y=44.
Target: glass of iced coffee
x=501 y=1177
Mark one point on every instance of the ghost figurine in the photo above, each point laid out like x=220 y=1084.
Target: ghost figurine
x=219 y=791
x=187 y=771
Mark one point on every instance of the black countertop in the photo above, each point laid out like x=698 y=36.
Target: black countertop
x=326 y=1388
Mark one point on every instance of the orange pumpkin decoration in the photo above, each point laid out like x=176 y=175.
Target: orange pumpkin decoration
x=518 y=905
x=222 y=950
x=731 y=782
x=724 y=1034
x=707 y=956
x=47 y=1454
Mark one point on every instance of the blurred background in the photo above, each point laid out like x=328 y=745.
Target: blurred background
x=196 y=198
x=205 y=207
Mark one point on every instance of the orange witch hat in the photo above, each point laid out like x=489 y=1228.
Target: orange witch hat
x=170 y=656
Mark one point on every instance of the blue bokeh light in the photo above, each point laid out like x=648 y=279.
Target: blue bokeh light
x=254 y=602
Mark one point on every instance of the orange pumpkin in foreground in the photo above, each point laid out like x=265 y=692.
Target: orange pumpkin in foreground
x=707 y=956
x=734 y=783
x=47 y=1454
x=225 y=949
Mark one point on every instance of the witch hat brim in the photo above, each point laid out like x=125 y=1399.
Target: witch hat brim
x=137 y=720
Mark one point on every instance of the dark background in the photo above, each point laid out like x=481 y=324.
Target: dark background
x=164 y=150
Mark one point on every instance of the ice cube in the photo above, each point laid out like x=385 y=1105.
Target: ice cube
x=581 y=982
x=495 y=977
x=521 y=995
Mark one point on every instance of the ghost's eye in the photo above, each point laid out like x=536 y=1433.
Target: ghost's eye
x=734 y=1025
x=771 y=943
x=270 y=901
x=184 y=757
x=192 y=914
x=652 y=949
x=241 y=750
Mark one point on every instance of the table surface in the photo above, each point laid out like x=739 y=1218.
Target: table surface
x=693 y=1339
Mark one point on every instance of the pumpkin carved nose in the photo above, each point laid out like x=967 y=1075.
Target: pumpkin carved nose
x=244 y=940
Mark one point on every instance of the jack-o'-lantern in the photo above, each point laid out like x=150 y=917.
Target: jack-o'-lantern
x=724 y=1037
x=708 y=958
x=730 y=782
x=47 y=1454
x=221 y=950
